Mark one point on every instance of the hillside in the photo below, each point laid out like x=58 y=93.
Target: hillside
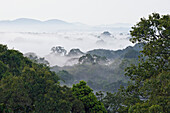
x=102 y=69
x=26 y=86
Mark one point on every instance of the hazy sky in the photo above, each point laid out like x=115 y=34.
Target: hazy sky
x=92 y=12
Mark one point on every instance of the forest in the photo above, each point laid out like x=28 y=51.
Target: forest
x=103 y=70
x=143 y=87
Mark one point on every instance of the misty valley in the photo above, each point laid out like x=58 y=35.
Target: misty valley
x=102 y=69
x=58 y=67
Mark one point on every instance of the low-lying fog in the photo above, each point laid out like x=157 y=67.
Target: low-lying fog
x=41 y=43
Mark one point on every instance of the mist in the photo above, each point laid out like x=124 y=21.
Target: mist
x=30 y=35
x=41 y=43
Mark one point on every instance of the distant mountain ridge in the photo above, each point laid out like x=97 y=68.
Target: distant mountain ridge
x=27 y=24
x=33 y=21
x=29 y=20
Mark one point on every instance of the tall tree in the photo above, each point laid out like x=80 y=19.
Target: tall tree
x=86 y=95
x=29 y=87
x=150 y=88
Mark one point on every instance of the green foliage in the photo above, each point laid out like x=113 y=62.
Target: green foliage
x=86 y=95
x=66 y=77
x=124 y=53
x=100 y=95
x=139 y=108
x=3 y=69
x=151 y=76
x=100 y=73
x=3 y=109
x=29 y=87
x=132 y=54
x=3 y=48
x=92 y=59
x=98 y=77
x=145 y=108
x=112 y=102
x=154 y=33
x=148 y=91
x=155 y=109
x=78 y=107
x=33 y=57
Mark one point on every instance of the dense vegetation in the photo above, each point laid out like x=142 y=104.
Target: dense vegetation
x=102 y=69
x=26 y=86
x=128 y=52
x=101 y=72
x=29 y=87
x=149 y=90
x=98 y=77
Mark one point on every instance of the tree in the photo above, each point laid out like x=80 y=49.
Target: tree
x=14 y=95
x=150 y=77
x=86 y=95
x=66 y=77
x=26 y=86
x=3 y=69
x=154 y=33
x=112 y=102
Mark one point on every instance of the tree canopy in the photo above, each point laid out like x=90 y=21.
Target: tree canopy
x=85 y=94
x=26 y=86
x=149 y=90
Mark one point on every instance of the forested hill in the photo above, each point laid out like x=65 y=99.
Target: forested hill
x=128 y=52
x=29 y=87
x=103 y=70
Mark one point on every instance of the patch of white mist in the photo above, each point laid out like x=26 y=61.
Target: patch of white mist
x=41 y=43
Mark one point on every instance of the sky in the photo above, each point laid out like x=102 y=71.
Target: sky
x=91 y=12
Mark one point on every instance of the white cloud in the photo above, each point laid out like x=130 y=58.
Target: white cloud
x=41 y=43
